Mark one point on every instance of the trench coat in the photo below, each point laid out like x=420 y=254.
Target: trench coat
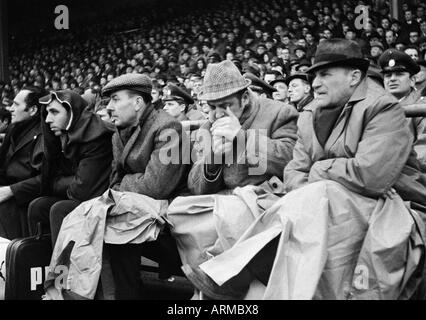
x=338 y=191
x=192 y=218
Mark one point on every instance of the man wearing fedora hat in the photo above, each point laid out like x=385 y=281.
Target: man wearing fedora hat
x=354 y=149
x=299 y=90
x=231 y=157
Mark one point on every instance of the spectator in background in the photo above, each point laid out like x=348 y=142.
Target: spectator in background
x=176 y=102
x=281 y=93
x=413 y=52
x=390 y=38
x=5 y=119
x=157 y=93
x=299 y=90
x=259 y=87
x=399 y=72
x=421 y=76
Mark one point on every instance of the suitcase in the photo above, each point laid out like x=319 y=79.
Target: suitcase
x=27 y=263
x=4 y=243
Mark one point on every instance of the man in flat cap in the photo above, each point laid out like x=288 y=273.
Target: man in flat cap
x=176 y=101
x=399 y=73
x=247 y=142
x=299 y=90
x=259 y=87
x=77 y=160
x=141 y=133
x=352 y=170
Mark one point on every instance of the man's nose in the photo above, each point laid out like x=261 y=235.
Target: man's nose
x=109 y=106
x=48 y=119
x=316 y=84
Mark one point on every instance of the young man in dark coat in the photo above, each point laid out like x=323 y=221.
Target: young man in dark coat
x=21 y=156
x=77 y=164
x=141 y=135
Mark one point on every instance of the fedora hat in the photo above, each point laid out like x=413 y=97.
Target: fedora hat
x=338 y=52
x=222 y=80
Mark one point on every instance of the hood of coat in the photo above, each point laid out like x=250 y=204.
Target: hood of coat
x=83 y=125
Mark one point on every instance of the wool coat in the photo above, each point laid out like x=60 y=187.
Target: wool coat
x=137 y=166
x=280 y=124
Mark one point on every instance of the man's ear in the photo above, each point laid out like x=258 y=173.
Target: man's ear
x=245 y=99
x=356 y=77
x=182 y=107
x=139 y=103
x=307 y=89
x=413 y=80
x=33 y=111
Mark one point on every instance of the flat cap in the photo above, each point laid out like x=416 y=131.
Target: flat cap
x=173 y=93
x=393 y=60
x=131 y=81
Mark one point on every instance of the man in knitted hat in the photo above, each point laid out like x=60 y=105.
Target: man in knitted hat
x=247 y=142
x=352 y=170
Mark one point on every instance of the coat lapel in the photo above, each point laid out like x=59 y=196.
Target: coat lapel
x=341 y=123
x=129 y=145
x=27 y=138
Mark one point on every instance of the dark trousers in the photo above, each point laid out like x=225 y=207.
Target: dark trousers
x=261 y=265
x=259 y=268
x=13 y=220
x=126 y=264
x=50 y=212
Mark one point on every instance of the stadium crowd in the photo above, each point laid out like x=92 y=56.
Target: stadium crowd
x=220 y=75
x=271 y=35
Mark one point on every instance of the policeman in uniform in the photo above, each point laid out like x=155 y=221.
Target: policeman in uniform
x=259 y=87
x=176 y=102
x=399 y=71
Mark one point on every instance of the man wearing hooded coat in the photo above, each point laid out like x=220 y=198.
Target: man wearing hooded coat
x=77 y=160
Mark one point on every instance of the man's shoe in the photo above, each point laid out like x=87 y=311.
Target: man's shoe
x=209 y=288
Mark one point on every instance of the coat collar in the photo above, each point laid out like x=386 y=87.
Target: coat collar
x=29 y=136
x=134 y=137
x=251 y=111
